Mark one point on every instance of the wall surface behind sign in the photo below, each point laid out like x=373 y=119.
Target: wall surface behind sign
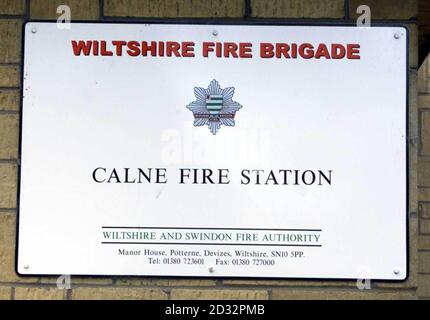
x=13 y=13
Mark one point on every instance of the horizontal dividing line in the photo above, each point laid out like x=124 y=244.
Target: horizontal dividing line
x=194 y=228
x=12 y=88
x=9 y=161
x=12 y=16
x=286 y=21
x=220 y=244
x=9 y=112
x=425 y=156
x=10 y=64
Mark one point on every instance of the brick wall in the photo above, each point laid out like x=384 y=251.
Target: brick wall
x=14 y=12
x=424 y=181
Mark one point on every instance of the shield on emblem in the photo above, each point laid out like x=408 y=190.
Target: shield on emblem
x=214 y=103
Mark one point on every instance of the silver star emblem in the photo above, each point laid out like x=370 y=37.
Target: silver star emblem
x=214 y=107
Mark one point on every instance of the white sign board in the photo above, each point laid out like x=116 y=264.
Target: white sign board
x=214 y=150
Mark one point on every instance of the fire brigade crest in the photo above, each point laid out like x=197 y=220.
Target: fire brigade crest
x=214 y=107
